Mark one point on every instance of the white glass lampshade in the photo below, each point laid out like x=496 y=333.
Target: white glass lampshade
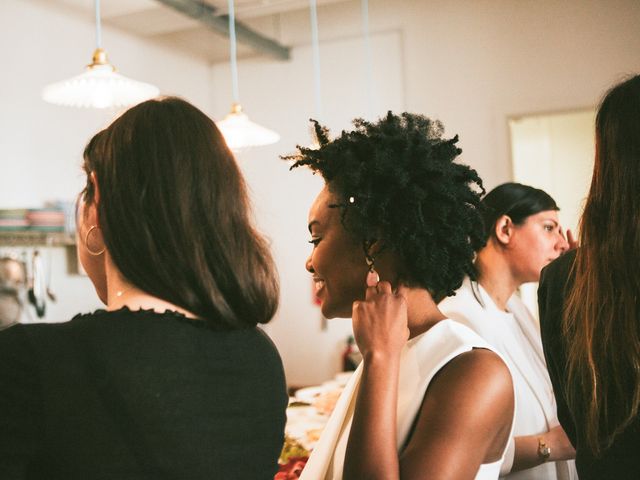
x=240 y=133
x=99 y=87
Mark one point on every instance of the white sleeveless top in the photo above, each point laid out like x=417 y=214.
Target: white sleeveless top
x=516 y=335
x=421 y=359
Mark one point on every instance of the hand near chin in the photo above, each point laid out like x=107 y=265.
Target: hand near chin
x=571 y=240
x=380 y=322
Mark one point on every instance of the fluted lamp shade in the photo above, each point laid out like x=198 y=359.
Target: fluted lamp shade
x=239 y=132
x=99 y=87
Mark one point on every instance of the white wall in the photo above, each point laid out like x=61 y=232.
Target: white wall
x=41 y=144
x=471 y=63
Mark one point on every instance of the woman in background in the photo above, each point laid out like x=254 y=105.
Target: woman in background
x=173 y=379
x=523 y=234
x=430 y=398
x=589 y=308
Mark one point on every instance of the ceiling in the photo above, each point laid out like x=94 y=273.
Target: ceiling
x=163 y=24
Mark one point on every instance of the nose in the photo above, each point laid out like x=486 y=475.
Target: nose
x=308 y=265
x=562 y=244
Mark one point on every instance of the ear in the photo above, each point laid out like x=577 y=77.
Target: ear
x=503 y=230
x=94 y=180
x=90 y=210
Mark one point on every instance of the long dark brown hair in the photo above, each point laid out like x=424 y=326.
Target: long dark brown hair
x=601 y=320
x=174 y=213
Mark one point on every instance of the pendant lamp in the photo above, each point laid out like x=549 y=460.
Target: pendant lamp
x=315 y=47
x=239 y=132
x=315 y=50
x=99 y=86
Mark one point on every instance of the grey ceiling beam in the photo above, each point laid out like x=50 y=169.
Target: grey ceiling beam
x=206 y=14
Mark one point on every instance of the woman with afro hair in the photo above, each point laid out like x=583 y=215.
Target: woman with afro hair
x=394 y=231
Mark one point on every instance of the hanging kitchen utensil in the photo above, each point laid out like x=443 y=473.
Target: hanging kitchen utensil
x=12 y=283
x=37 y=292
x=50 y=293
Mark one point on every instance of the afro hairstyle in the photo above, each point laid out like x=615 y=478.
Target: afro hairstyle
x=396 y=182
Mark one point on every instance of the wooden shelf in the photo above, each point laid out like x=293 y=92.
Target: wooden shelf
x=35 y=238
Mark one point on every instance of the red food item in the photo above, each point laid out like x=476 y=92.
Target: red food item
x=292 y=469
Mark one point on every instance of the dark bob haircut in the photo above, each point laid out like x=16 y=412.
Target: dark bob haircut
x=515 y=200
x=174 y=213
x=396 y=182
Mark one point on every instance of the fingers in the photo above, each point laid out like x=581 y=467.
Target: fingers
x=384 y=287
x=379 y=288
x=370 y=293
x=380 y=320
x=570 y=239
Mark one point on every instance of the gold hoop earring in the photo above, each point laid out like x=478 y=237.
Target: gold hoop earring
x=86 y=243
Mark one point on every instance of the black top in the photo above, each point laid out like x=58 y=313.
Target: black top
x=622 y=460
x=139 y=395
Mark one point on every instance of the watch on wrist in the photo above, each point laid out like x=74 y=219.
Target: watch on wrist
x=544 y=450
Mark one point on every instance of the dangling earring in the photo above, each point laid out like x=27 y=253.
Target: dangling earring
x=372 y=276
x=86 y=243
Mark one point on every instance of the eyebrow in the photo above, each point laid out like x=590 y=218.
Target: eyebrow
x=312 y=223
x=551 y=220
